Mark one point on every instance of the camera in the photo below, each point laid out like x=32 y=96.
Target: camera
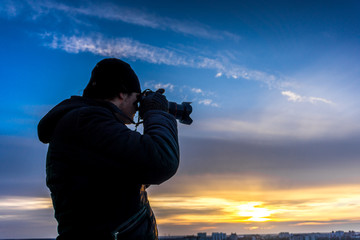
x=179 y=111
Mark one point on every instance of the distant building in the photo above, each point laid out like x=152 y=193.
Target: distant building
x=297 y=237
x=201 y=236
x=232 y=236
x=192 y=237
x=218 y=236
x=337 y=234
x=284 y=235
x=310 y=237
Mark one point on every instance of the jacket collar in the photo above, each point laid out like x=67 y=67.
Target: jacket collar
x=119 y=115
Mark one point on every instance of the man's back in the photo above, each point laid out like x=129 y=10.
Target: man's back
x=97 y=167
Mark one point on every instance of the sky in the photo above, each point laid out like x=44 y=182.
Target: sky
x=274 y=145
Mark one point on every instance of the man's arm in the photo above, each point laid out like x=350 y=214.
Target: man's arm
x=151 y=158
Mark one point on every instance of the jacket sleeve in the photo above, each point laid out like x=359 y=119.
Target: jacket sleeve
x=149 y=158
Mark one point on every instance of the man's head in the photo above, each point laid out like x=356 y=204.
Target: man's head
x=115 y=81
x=109 y=77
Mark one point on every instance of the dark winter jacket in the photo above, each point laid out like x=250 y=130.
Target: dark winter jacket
x=97 y=167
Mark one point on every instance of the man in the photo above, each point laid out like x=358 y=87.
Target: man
x=97 y=168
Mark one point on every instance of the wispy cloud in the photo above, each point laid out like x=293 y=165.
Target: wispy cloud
x=204 y=99
x=119 y=47
x=99 y=44
x=26 y=217
x=197 y=90
x=156 y=85
x=9 y=9
x=293 y=97
x=256 y=207
x=191 y=210
x=112 y=12
x=132 y=49
x=208 y=102
x=226 y=68
x=188 y=94
x=129 y=48
x=24 y=203
x=312 y=121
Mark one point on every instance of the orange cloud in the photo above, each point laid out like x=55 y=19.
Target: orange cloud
x=305 y=205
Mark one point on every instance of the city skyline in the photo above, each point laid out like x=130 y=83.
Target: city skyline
x=274 y=89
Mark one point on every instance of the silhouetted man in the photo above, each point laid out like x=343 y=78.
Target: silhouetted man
x=97 y=168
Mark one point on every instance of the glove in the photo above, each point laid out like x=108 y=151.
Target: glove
x=153 y=101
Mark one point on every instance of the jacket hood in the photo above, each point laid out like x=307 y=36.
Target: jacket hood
x=49 y=122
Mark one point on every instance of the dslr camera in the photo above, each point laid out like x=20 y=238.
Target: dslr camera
x=180 y=111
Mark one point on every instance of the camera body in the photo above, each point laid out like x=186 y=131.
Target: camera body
x=179 y=111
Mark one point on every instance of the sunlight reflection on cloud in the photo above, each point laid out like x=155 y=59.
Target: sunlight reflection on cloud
x=24 y=203
x=338 y=201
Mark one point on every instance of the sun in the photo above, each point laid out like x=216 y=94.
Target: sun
x=254 y=212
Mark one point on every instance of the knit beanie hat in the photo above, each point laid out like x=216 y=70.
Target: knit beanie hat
x=109 y=77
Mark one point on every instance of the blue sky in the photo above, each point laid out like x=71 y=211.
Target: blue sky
x=274 y=88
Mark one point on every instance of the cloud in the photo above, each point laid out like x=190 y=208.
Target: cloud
x=112 y=12
x=127 y=47
x=190 y=210
x=168 y=86
x=278 y=159
x=250 y=206
x=186 y=93
x=26 y=217
x=281 y=119
x=317 y=99
x=24 y=203
x=292 y=96
x=132 y=49
x=10 y=9
x=20 y=151
x=208 y=102
x=298 y=98
x=156 y=85
x=22 y=166
x=315 y=223
x=281 y=124
x=119 y=47
x=197 y=90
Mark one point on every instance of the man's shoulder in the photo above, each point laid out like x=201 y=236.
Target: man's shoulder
x=86 y=106
x=87 y=121
x=92 y=115
x=89 y=113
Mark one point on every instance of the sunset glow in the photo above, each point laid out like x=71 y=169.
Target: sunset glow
x=301 y=207
x=274 y=87
x=24 y=203
x=254 y=211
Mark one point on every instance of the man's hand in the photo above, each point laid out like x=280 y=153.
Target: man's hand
x=153 y=101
